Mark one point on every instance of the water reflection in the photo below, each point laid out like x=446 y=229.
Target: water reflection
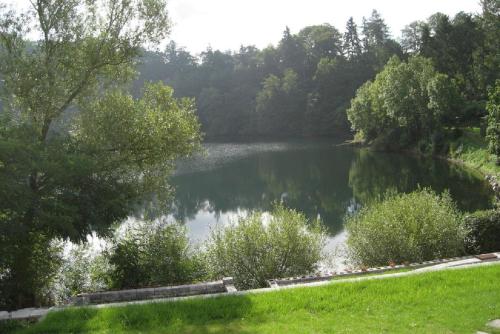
x=319 y=179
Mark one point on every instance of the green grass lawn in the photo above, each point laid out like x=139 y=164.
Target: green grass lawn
x=472 y=150
x=454 y=301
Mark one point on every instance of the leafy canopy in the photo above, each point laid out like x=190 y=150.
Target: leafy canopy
x=407 y=101
x=77 y=153
x=493 y=130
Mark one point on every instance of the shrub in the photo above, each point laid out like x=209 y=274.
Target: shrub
x=40 y=261
x=483 y=229
x=151 y=254
x=145 y=254
x=84 y=269
x=413 y=227
x=253 y=250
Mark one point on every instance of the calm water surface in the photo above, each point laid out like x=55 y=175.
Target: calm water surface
x=320 y=179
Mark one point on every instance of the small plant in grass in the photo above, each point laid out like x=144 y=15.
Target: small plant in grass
x=253 y=250
x=414 y=227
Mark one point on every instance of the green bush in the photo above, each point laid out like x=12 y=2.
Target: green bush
x=151 y=254
x=13 y=326
x=27 y=270
x=84 y=269
x=253 y=249
x=144 y=254
x=413 y=227
x=483 y=228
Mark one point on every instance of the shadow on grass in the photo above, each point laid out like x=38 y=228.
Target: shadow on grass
x=209 y=315
x=11 y=326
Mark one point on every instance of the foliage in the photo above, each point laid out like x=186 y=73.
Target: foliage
x=414 y=227
x=253 y=250
x=483 y=228
x=12 y=326
x=140 y=255
x=238 y=92
x=493 y=129
x=227 y=84
x=352 y=42
x=83 y=270
x=77 y=153
x=435 y=302
x=39 y=265
x=283 y=100
x=152 y=255
x=62 y=175
x=487 y=60
x=406 y=102
x=472 y=149
x=411 y=37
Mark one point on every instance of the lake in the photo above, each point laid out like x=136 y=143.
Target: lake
x=318 y=178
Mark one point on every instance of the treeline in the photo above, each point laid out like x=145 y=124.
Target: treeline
x=304 y=85
x=301 y=87
x=444 y=84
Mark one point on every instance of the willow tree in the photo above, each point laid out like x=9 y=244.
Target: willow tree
x=77 y=153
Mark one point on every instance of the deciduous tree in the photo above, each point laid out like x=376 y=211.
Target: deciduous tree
x=65 y=175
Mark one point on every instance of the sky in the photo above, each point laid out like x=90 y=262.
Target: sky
x=228 y=24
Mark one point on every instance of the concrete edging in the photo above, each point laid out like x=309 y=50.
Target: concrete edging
x=377 y=270
x=224 y=285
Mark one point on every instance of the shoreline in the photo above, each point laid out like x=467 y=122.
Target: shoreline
x=412 y=152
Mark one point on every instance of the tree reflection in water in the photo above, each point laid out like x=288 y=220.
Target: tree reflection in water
x=317 y=178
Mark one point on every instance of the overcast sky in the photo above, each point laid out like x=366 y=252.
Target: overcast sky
x=227 y=24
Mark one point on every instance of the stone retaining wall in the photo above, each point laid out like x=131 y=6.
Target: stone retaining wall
x=225 y=285
x=24 y=314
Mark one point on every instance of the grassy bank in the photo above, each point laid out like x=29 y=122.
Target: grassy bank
x=459 y=301
x=471 y=149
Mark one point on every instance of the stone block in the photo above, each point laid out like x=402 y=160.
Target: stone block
x=38 y=313
x=81 y=299
x=109 y=297
x=229 y=284
x=4 y=315
x=163 y=292
x=21 y=314
x=147 y=293
x=95 y=298
x=494 y=324
x=214 y=287
x=486 y=257
x=127 y=295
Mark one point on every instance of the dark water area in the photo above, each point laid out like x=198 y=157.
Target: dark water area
x=318 y=178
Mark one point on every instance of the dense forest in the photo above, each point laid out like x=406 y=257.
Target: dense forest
x=304 y=85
